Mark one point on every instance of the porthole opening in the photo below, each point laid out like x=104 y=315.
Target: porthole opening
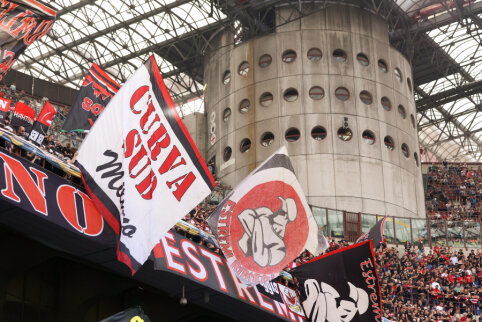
x=415 y=157
x=314 y=54
x=244 y=106
x=342 y=93
x=266 y=99
x=345 y=134
x=243 y=68
x=369 y=137
x=412 y=120
x=290 y=95
x=267 y=139
x=227 y=153
x=398 y=74
x=292 y=135
x=213 y=128
x=409 y=84
x=245 y=145
x=289 y=56
x=339 y=55
x=389 y=144
x=362 y=59
x=382 y=65
x=405 y=150
x=386 y=104
x=366 y=97
x=265 y=60
x=318 y=133
x=226 y=77
x=401 y=111
x=316 y=93
x=226 y=114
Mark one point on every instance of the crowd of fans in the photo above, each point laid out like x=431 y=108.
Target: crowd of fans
x=454 y=192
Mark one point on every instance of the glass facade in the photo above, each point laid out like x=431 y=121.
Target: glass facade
x=335 y=223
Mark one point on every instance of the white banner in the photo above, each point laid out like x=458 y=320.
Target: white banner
x=140 y=165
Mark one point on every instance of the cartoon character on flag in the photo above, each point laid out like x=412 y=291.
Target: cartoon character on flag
x=265 y=222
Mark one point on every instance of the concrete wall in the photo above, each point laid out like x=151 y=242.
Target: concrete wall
x=196 y=125
x=347 y=175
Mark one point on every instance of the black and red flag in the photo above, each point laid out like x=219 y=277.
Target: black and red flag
x=96 y=92
x=341 y=286
x=42 y=124
x=21 y=23
x=4 y=108
x=375 y=234
x=23 y=115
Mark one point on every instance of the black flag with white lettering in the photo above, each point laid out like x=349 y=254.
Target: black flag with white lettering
x=341 y=286
x=94 y=95
x=22 y=22
x=375 y=234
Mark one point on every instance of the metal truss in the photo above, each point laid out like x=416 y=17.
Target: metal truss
x=443 y=45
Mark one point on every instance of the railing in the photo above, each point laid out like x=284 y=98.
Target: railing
x=398 y=230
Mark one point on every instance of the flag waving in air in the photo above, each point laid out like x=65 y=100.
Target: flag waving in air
x=21 y=23
x=140 y=165
x=265 y=222
x=375 y=234
x=42 y=124
x=96 y=92
x=23 y=115
x=340 y=286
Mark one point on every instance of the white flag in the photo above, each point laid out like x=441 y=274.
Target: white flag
x=140 y=165
x=265 y=222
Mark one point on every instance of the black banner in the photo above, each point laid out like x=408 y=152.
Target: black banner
x=21 y=23
x=270 y=289
x=341 y=286
x=94 y=95
x=133 y=314
x=32 y=188
x=181 y=256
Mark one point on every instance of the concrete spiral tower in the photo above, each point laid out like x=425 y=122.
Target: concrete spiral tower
x=330 y=88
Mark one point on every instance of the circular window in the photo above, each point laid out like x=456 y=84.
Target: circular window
x=213 y=127
x=342 y=93
x=382 y=65
x=339 y=55
x=244 y=106
x=292 y=135
x=243 y=68
x=226 y=114
x=266 y=99
x=290 y=95
x=318 y=133
x=398 y=74
x=409 y=84
x=368 y=137
x=316 y=93
x=289 y=56
x=267 y=139
x=412 y=119
x=401 y=111
x=314 y=54
x=363 y=59
x=265 y=60
x=366 y=97
x=345 y=134
x=389 y=144
x=245 y=145
x=415 y=157
x=386 y=104
x=227 y=153
x=405 y=150
x=226 y=77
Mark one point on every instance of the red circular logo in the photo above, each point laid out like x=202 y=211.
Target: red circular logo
x=277 y=215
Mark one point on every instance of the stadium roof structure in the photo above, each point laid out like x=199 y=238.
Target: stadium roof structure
x=441 y=38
